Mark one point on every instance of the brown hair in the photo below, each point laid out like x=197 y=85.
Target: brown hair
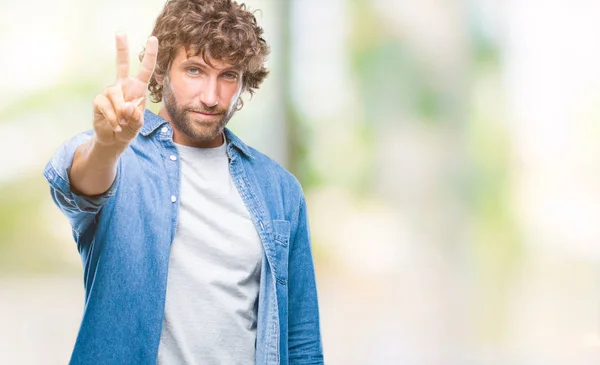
x=220 y=29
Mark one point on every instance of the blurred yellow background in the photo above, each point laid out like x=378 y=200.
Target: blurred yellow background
x=449 y=151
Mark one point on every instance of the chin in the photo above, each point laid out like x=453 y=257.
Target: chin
x=207 y=133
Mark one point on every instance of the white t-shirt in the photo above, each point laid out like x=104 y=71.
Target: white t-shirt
x=214 y=268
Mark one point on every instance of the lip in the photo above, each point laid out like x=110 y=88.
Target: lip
x=205 y=115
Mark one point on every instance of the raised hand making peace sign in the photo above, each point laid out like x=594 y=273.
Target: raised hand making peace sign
x=119 y=110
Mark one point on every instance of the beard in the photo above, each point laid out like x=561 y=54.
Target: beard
x=197 y=130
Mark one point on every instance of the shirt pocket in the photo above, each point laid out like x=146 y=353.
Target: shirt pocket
x=281 y=238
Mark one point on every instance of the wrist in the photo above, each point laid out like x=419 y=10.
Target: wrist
x=104 y=155
x=107 y=147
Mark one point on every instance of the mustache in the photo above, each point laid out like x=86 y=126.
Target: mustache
x=203 y=109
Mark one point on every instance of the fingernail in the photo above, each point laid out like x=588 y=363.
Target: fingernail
x=118 y=129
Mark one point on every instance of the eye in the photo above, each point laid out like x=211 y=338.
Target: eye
x=193 y=71
x=230 y=75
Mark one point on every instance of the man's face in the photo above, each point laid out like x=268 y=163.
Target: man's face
x=200 y=99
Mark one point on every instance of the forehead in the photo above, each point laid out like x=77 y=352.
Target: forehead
x=182 y=56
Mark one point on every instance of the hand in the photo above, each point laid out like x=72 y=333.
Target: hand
x=119 y=110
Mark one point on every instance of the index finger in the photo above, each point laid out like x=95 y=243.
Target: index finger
x=149 y=60
x=122 y=55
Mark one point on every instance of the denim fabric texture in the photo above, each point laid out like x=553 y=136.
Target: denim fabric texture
x=124 y=238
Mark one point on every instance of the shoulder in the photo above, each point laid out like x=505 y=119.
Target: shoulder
x=275 y=174
x=270 y=175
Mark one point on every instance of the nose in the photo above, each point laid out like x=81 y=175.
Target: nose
x=209 y=95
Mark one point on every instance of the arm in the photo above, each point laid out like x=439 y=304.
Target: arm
x=79 y=209
x=94 y=168
x=304 y=341
x=83 y=172
x=118 y=117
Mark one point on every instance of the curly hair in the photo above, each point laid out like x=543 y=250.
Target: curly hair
x=219 y=29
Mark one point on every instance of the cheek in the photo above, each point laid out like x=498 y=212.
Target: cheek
x=229 y=92
x=186 y=89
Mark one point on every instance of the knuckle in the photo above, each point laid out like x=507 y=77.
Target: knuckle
x=98 y=99
x=108 y=112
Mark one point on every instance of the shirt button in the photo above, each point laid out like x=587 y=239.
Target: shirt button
x=173 y=157
x=173 y=198
x=164 y=129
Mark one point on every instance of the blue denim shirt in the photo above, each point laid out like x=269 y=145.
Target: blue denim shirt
x=124 y=239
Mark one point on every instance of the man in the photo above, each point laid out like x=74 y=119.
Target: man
x=195 y=247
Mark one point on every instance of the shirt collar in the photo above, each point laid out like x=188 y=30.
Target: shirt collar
x=152 y=122
x=238 y=143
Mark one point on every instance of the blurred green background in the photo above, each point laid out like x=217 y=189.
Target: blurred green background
x=449 y=152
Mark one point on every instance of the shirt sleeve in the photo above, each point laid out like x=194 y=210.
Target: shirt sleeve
x=80 y=210
x=304 y=338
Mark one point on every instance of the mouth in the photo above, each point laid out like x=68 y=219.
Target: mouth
x=205 y=115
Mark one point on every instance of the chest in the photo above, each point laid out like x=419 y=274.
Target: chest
x=214 y=228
